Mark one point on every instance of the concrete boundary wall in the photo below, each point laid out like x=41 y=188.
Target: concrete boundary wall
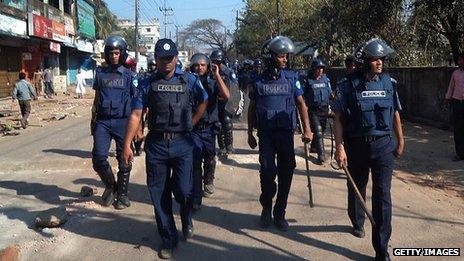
x=422 y=91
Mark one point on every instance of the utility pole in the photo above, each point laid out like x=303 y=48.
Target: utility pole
x=236 y=35
x=137 y=11
x=177 y=35
x=278 y=17
x=166 y=12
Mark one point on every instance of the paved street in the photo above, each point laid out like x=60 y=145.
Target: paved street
x=46 y=167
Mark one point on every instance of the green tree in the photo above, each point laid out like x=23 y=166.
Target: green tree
x=439 y=20
x=105 y=20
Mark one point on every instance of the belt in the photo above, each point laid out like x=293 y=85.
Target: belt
x=168 y=135
x=369 y=138
x=202 y=126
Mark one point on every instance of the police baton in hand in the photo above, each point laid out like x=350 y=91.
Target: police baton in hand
x=358 y=195
x=310 y=190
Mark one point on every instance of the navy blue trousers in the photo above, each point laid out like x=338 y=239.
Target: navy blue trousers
x=277 y=159
x=204 y=151
x=377 y=157
x=105 y=131
x=162 y=158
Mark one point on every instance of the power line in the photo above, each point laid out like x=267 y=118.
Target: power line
x=167 y=11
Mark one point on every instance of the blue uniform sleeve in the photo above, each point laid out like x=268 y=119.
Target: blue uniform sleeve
x=199 y=92
x=134 y=85
x=297 y=87
x=139 y=101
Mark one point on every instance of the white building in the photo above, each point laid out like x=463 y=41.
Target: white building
x=148 y=31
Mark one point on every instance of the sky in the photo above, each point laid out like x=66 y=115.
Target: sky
x=184 y=11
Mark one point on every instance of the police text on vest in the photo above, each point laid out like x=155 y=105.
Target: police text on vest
x=372 y=94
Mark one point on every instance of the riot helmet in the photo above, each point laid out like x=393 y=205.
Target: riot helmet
x=131 y=63
x=372 y=49
x=277 y=46
x=196 y=58
x=116 y=42
x=217 y=56
x=317 y=63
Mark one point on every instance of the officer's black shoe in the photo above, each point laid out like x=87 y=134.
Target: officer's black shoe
x=266 y=217
x=358 y=232
x=187 y=232
x=281 y=224
x=385 y=257
x=122 y=202
x=108 y=197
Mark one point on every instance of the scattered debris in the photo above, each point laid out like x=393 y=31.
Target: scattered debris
x=53 y=217
x=11 y=133
x=87 y=191
x=6 y=113
x=10 y=253
x=56 y=117
x=6 y=127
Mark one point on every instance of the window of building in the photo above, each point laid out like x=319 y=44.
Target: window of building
x=149 y=47
x=148 y=30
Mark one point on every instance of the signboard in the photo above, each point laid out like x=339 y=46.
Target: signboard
x=12 y=25
x=84 y=46
x=18 y=4
x=55 y=47
x=42 y=27
x=85 y=18
x=69 y=26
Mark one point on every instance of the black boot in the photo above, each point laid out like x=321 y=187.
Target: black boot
x=321 y=151
x=122 y=200
x=221 y=144
x=209 y=169
x=229 y=141
x=107 y=177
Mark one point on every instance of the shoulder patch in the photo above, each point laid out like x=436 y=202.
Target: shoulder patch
x=298 y=85
x=233 y=76
x=393 y=80
x=135 y=82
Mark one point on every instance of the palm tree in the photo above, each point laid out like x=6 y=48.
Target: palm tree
x=105 y=20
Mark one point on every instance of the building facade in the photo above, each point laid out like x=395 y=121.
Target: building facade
x=35 y=34
x=148 y=31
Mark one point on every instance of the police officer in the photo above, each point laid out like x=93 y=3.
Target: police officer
x=114 y=87
x=225 y=137
x=257 y=67
x=204 y=132
x=317 y=93
x=169 y=95
x=274 y=96
x=151 y=67
x=366 y=113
